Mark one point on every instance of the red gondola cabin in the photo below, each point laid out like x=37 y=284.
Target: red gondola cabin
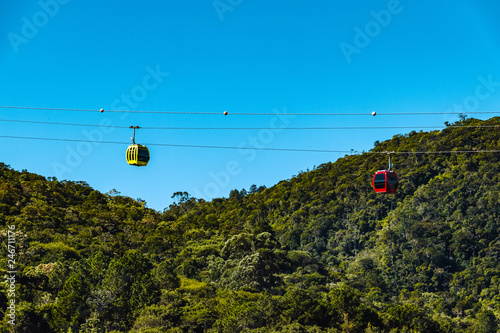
x=385 y=181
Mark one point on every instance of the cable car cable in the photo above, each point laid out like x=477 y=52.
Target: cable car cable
x=102 y=110
x=246 y=113
x=252 y=128
x=259 y=148
x=62 y=124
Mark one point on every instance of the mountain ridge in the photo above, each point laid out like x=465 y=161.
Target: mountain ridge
x=318 y=252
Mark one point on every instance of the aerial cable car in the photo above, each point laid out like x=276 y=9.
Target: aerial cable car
x=385 y=181
x=136 y=154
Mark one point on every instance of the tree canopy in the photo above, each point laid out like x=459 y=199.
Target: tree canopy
x=319 y=252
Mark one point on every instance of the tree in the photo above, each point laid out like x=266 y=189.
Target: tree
x=70 y=309
x=253 y=189
x=485 y=322
x=165 y=277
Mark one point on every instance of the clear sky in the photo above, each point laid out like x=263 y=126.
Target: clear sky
x=242 y=56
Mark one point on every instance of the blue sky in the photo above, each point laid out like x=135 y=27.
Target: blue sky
x=242 y=56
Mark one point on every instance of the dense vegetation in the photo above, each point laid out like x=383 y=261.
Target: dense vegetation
x=320 y=252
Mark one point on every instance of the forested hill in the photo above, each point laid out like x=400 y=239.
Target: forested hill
x=320 y=252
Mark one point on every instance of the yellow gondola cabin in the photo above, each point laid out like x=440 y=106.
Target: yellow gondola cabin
x=137 y=155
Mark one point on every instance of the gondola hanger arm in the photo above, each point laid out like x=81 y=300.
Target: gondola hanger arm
x=389 y=154
x=133 y=137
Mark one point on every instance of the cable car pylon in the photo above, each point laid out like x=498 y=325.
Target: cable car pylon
x=137 y=154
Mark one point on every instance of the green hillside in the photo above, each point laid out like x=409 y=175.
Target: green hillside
x=320 y=252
